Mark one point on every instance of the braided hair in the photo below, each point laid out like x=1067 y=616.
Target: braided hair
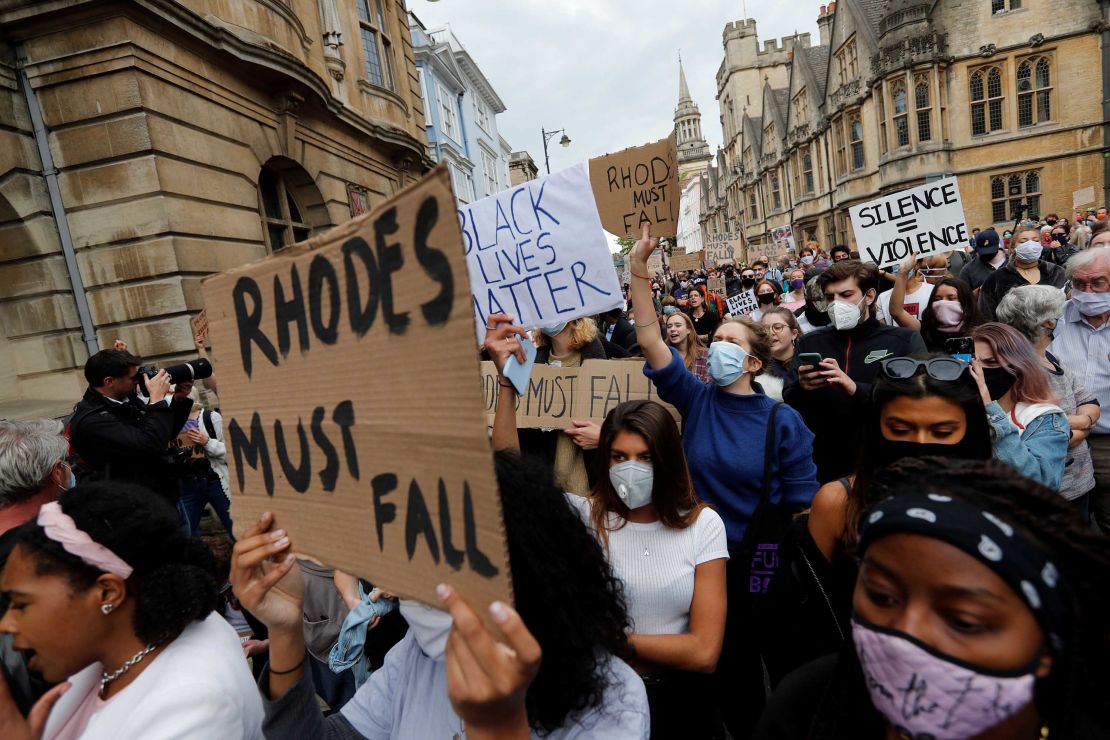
x=174 y=580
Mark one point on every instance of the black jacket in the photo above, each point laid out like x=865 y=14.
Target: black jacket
x=832 y=415
x=127 y=441
x=1005 y=278
x=976 y=271
x=624 y=334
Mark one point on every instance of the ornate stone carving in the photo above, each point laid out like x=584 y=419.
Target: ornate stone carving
x=1036 y=40
x=987 y=50
x=926 y=47
x=846 y=92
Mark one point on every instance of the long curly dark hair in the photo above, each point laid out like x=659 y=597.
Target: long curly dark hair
x=1069 y=700
x=565 y=592
x=930 y=331
x=174 y=580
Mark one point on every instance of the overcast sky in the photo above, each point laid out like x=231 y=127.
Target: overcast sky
x=605 y=70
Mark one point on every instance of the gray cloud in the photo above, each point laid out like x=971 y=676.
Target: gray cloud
x=605 y=70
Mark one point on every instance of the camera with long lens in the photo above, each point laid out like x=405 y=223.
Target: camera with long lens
x=192 y=370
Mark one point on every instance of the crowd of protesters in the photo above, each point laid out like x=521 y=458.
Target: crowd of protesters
x=874 y=506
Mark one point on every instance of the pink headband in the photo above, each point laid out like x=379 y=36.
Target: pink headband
x=61 y=528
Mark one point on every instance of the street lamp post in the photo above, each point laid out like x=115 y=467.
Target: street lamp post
x=548 y=136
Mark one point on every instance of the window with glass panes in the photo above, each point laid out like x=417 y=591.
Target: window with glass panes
x=847 y=63
x=1013 y=190
x=986 y=100
x=880 y=99
x=855 y=132
x=807 y=169
x=377 y=46
x=838 y=145
x=489 y=169
x=1034 y=87
x=280 y=213
x=481 y=113
x=1001 y=6
x=448 y=118
x=753 y=206
x=924 y=107
x=901 y=112
x=776 y=192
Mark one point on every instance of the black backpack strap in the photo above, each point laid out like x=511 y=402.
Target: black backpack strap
x=209 y=425
x=768 y=465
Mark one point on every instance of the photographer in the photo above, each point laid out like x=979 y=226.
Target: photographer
x=118 y=437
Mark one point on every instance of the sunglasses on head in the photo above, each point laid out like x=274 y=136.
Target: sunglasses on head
x=938 y=368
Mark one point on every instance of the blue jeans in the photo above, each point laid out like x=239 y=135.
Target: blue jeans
x=195 y=493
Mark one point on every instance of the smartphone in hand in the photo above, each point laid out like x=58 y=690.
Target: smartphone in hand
x=962 y=348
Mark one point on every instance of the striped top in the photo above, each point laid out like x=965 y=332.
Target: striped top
x=1085 y=352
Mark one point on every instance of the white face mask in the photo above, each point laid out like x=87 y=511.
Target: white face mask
x=1091 y=304
x=1028 y=251
x=807 y=259
x=633 y=481
x=429 y=627
x=846 y=315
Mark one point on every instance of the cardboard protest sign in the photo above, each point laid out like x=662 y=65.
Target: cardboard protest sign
x=685 y=262
x=537 y=251
x=716 y=284
x=723 y=249
x=921 y=221
x=637 y=185
x=200 y=324
x=1083 y=197
x=655 y=262
x=347 y=388
x=783 y=239
x=742 y=303
x=559 y=395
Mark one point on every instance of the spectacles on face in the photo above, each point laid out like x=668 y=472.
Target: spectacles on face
x=748 y=276
x=779 y=327
x=945 y=369
x=1098 y=285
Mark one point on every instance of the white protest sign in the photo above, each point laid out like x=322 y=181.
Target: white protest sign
x=921 y=221
x=1083 y=197
x=537 y=251
x=741 y=303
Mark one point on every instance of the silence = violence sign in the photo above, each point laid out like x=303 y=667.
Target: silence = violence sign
x=537 y=252
x=347 y=370
x=921 y=221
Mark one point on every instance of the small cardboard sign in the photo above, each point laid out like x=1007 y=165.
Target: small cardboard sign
x=681 y=262
x=742 y=303
x=347 y=373
x=537 y=251
x=200 y=324
x=637 y=185
x=723 y=249
x=655 y=262
x=783 y=239
x=716 y=284
x=922 y=221
x=558 y=396
x=1083 y=197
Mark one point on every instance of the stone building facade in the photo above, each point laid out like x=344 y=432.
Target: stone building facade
x=1006 y=96
x=693 y=152
x=184 y=137
x=522 y=168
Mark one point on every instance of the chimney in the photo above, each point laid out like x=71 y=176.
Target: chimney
x=824 y=23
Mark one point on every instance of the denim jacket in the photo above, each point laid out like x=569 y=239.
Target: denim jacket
x=1039 y=449
x=347 y=652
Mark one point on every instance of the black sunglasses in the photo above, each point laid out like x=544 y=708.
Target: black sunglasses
x=938 y=368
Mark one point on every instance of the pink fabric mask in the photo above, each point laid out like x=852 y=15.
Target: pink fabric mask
x=927 y=695
x=950 y=315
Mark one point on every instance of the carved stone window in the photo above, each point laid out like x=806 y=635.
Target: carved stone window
x=377 y=46
x=901 y=115
x=847 y=62
x=776 y=192
x=807 y=170
x=1013 y=190
x=1034 y=88
x=855 y=138
x=923 y=104
x=986 y=100
x=281 y=215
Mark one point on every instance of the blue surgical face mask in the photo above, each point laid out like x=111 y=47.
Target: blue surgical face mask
x=553 y=329
x=726 y=362
x=633 y=482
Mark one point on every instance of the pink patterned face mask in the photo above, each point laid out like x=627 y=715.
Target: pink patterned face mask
x=930 y=696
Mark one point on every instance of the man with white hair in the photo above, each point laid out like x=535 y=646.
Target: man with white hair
x=1082 y=344
x=33 y=471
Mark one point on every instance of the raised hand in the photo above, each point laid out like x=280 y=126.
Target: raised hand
x=265 y=576
x=486 y=679
x=500 y=341
x=643 y=247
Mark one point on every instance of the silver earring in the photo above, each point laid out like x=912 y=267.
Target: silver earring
x=106 y=609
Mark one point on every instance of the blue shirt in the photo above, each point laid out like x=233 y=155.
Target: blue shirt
x=724 y=435
x=1085 y=352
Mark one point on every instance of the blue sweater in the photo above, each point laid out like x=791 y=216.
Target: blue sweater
x=724 y=434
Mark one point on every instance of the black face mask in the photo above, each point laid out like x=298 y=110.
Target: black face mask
x=890 y=451
x=748 y=283
x=999 y=381
x=765 y=298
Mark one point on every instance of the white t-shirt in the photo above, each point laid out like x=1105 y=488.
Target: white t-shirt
x=914 y=303
x=656 y=565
